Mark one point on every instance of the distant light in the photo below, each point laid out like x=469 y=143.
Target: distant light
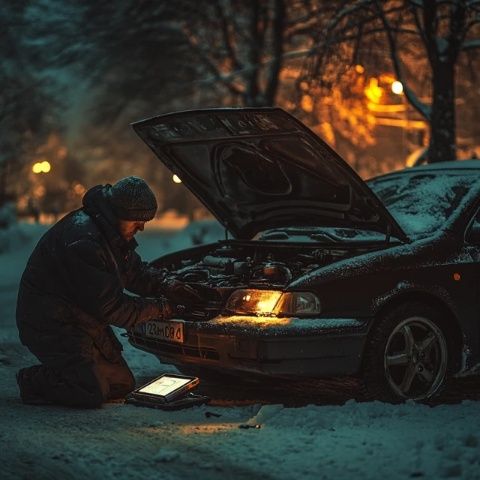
x=79 y=189
x=307 y=103
x=176 y=179
x=304 y=86
x=373 y=91
x=41 y=167
x=359 y=69
x=397 y=87
x=39 y=191
x=62 y=152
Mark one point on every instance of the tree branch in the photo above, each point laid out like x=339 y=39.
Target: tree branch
x=457 y=32
x=414 y=10
x=226 y=36
x=218 y=75
x=471 y=44
x=423 y=109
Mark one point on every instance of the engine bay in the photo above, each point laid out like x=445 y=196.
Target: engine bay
x=241 y=265
x=218 y=269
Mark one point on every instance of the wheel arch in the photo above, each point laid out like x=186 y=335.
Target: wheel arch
x=449 y=324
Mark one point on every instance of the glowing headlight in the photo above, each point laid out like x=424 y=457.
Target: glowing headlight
x=253 y=302
x=272 y=302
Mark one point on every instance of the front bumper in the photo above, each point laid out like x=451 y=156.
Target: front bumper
x=276 y=347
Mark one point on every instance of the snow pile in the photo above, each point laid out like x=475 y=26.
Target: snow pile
x=7 y=215
x=371 y=440
x=19 y=240
x=9 y=230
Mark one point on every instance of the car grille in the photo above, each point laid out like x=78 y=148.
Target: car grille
x=160 y=347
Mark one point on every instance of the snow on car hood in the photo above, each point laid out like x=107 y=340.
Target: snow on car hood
x=257 y=169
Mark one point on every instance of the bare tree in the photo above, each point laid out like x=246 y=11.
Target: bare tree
x=127 y=53
x=23 y=102
x=243 y=46
x=443 y=29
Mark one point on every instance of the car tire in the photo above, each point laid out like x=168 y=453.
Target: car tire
x=407 y=355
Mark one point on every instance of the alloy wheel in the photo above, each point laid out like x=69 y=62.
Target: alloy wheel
x=415 y=358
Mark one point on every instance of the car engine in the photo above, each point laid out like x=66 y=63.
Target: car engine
x=231 y=264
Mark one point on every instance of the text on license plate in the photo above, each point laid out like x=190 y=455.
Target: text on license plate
x=169 y=331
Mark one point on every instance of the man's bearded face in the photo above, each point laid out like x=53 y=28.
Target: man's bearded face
x=128 y=228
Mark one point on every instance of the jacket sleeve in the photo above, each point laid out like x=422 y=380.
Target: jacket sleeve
x=144 y=279
x=99 y=292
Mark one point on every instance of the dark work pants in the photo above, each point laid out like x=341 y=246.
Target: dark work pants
x=88 y=382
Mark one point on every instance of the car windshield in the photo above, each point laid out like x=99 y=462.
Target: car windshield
x=421 y=202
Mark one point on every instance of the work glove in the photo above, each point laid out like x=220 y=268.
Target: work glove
x=181 y=293
x=161 y=309
x=166 y=309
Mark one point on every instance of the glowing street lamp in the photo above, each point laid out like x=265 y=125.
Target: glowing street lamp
x=41 y=167
x=397 y=87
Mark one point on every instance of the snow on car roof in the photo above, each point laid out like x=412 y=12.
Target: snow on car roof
x=470 y=164
x=422 y=199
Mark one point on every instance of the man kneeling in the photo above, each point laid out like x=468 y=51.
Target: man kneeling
x=72 y=290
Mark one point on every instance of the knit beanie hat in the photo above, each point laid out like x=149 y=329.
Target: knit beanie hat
x=132 y=199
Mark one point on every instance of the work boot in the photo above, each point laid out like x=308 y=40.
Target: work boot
x=28 y=393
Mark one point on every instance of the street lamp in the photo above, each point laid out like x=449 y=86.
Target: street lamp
x=41 y=167
x=397 y=87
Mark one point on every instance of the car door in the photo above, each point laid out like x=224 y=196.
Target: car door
x=471 y=256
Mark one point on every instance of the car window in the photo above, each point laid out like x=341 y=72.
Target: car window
x=473 y=232
x=422 y=202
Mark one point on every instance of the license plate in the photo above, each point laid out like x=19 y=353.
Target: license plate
x=171 y=331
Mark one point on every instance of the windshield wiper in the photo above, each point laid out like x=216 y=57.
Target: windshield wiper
x=276 y=235
x=325 y=237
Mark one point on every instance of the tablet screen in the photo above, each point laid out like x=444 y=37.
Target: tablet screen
x=164 y=385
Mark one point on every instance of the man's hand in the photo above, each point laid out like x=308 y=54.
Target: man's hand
x=181 y=293
x=168 y=310
x=162 y=310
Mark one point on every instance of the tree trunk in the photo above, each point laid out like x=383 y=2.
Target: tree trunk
x=442 y=146
x=273 y=77
x=252 y=89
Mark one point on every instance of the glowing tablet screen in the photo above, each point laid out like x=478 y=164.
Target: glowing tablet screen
x=164 y=385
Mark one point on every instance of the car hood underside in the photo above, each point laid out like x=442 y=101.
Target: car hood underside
x=257 y=169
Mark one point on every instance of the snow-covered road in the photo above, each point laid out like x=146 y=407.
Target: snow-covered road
x=349 y=441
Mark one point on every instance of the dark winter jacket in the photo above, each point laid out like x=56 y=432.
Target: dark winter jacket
x=73 y=286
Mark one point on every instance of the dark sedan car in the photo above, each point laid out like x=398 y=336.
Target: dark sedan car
x=325 y=275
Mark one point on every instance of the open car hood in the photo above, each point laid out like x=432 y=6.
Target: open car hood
x=260 y=168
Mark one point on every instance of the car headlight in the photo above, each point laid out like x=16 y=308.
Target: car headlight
x=298 y=303
x=273 y=303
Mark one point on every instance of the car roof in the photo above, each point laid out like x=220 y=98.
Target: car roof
x=472 y=164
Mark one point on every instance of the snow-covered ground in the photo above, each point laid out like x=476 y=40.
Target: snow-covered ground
x=349 y=441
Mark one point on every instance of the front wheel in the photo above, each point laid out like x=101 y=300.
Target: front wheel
x=407 y=355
